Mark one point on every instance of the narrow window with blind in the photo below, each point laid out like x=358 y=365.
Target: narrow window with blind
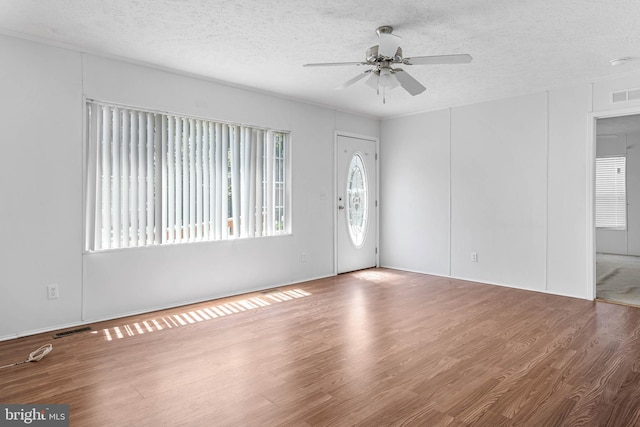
x=155 y=178
x=611 y=197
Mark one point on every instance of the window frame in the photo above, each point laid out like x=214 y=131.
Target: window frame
x=89 y=160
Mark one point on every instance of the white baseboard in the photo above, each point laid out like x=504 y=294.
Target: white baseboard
x=150 y=310
x=544 y=291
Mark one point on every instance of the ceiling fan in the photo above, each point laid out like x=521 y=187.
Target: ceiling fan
x=384 y=56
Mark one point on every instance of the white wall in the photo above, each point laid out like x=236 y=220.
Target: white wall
x=40 y=185
x=517 y=190
x=568 y=263
x=41 y=211
x=498 y=191
x=414 y=189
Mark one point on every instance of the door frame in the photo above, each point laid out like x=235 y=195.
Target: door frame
x=591 y=189
x=376 y=141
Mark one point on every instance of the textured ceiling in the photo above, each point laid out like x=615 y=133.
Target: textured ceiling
x=519 y=47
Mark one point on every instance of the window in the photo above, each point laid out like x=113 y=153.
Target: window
x=154 y=178
x=611 y=199
x=357 y=200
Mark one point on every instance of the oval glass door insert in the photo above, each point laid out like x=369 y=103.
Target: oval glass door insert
x=357 y=200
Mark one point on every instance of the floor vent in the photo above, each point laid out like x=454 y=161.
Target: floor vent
x=71 y=332
x=270 y=291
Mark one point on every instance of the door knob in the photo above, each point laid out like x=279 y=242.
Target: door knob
x=340 y=207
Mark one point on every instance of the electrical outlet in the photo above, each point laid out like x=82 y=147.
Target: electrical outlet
x=303 y=257
x=52 y=291
x=474 y=257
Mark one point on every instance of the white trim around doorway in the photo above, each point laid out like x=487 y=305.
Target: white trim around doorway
x=591 y=160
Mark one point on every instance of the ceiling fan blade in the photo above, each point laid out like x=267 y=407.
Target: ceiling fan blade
x=409 y=84
x=353 y=80
x=462 y=58
x=389 y=44
x=333 y=64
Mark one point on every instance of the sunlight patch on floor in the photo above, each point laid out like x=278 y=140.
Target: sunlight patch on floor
x=201 y=315
x=376 y=275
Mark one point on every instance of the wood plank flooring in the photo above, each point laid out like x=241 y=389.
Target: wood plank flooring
x=376 y=347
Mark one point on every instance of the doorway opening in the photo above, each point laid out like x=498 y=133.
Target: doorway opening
x=617 y=209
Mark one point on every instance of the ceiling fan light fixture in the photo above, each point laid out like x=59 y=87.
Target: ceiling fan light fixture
x=382 y=79
x=387 y=79
x=372 y=81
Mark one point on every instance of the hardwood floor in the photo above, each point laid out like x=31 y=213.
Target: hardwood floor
x=374 y=348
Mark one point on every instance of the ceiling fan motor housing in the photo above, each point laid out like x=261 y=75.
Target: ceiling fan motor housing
x=373 y=57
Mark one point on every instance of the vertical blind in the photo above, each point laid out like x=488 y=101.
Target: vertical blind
x=155 y=178
x=611 y=198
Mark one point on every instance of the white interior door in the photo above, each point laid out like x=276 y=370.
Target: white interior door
x=356 y=204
